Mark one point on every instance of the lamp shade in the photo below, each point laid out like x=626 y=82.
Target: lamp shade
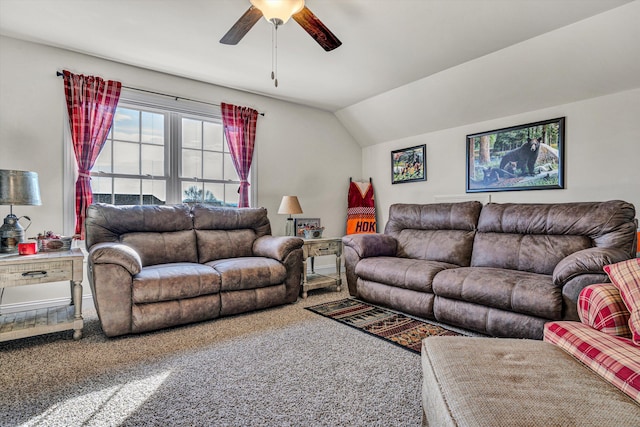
x=278 y=11
x=289 y=205
x=19 y=188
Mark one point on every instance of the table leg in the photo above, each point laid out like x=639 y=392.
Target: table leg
x=77 y=302
x=304 y=278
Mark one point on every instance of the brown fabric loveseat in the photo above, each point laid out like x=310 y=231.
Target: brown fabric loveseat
x=501 y=269
x=152 y=267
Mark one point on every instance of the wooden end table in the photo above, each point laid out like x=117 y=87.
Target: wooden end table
x=43 y=267
x=318 y=247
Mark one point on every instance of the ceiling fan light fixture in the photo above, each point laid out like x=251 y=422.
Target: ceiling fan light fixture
x=278 y=12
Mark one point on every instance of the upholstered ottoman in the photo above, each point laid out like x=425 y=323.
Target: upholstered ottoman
x=513 y=382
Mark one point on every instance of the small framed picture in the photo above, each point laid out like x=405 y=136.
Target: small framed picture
x=524 y=157
x=301 y=223
x=409 y=164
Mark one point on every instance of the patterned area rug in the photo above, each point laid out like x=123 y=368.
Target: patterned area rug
x=397 y=328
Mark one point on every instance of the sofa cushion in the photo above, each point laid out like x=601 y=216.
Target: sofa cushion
x=412 y=302
x=487 y=320
x=164 y=247
x=438 y=232
x=511 y=290
x=248 y=273
x=163 y=314
x=174 y=281
x=616 y=359
x=601 y=307
x=207 y=217
x=251 y=299
x=535 y=237
x=526 y=252
x=106 y=223
x=414 y=274
x=224 y=244
x=607 y=224
x=450 y=246
x=625 y=276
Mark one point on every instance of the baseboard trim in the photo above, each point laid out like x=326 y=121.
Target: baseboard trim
x=87 y=302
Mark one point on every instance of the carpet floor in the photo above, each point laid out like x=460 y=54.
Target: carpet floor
x=284 y=366
x=396 y=328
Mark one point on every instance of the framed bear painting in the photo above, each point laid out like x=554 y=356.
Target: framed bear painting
x=524 y=157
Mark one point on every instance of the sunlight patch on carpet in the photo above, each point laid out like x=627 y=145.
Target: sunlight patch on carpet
x=397 y=328
x=109 y=406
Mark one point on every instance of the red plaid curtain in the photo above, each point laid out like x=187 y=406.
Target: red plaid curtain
x=91 y=103
x=240 y=129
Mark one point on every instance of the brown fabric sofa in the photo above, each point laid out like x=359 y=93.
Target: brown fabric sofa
x=501 y=269
x=152 y=267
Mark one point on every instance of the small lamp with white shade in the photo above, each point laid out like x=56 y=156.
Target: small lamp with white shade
x=289 y=206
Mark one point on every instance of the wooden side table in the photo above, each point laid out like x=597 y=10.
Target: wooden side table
x=318 y=247
x=43 y=267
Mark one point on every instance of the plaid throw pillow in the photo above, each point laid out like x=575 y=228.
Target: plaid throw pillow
x=625 y=276
x=601 y=307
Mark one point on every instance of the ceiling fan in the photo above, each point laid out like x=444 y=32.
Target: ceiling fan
x=278 y=13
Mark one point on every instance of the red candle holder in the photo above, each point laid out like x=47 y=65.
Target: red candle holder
x=29 y=248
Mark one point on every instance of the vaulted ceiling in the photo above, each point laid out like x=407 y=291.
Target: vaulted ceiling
x=386 y=44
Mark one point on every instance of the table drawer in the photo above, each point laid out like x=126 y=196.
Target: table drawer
x=35 y=272
x=325 y=248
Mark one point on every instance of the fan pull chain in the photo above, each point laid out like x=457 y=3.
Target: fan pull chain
x=274 y=54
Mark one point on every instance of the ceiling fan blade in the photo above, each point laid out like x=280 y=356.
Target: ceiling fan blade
x=316 y=29
x=242 y=26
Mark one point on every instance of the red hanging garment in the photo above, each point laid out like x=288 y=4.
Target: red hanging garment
x=361 y=211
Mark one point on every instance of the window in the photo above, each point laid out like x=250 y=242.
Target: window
x=165 y=152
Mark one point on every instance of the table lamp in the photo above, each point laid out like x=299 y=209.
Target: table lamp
x=16 y=188
x=289 y=205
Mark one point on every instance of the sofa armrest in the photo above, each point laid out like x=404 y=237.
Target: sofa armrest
x=586 y=261
x=116 y=253
x=371 y=245
x=276 y=247
x=359 y=246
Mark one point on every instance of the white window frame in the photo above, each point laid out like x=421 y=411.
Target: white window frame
x=159 y=103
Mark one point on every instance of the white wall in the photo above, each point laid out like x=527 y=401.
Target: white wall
x=602 y=151
x=299 y=150
x=590 y=58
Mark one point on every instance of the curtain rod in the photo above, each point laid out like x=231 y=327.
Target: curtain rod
x=59 y=74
